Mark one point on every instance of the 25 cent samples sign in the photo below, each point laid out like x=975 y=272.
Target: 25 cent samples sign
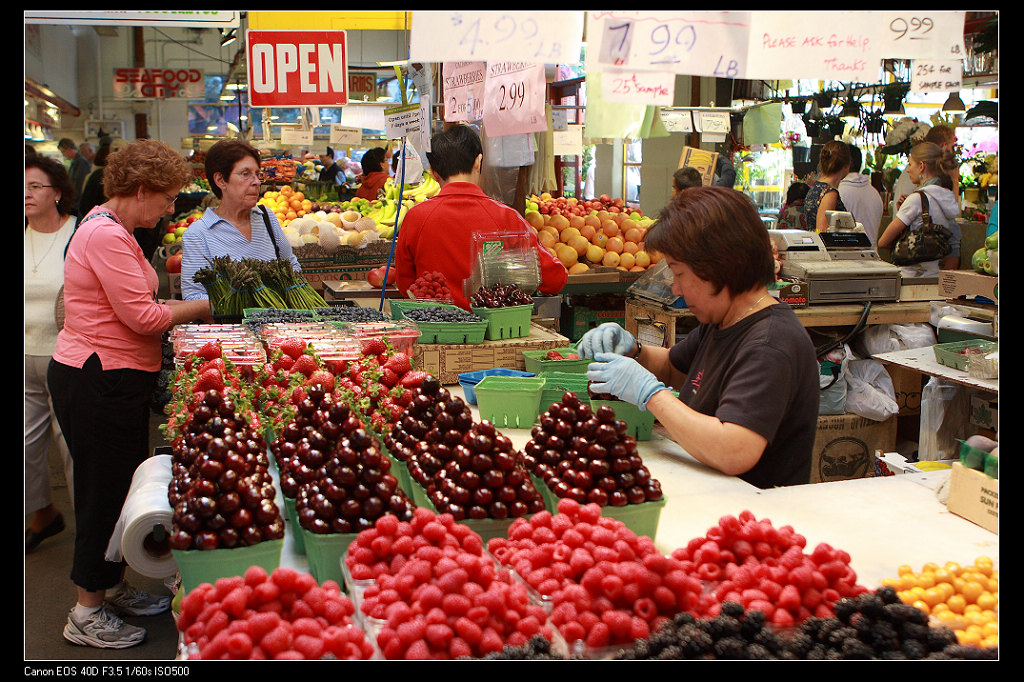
x=297 y=68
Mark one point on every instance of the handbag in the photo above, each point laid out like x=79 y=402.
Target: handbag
x=927 y=243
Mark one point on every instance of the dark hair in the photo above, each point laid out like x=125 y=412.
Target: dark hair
x=66 y=143
x=687 y=176
x=717 y=232
x=941 y=135
x=797 y=191
x=59 y=179
x=835 y=156
x=454 y=151
x=222 y=157
x=856 y=159
x=373 y=160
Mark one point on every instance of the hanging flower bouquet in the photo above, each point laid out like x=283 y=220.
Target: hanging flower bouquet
x=904 y=134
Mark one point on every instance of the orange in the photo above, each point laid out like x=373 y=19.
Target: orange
x=968 y=638
x=578 y=268
x=630 y=247
x=535 y=219
x=643 y=259
x=610 y=228
x=299 y=195
x=559 y=222
x=933 y=596
x=595 y=254
x=547 y=238
x=577 y=222
x=579 y=243
x=983 y=564
x=600 y=239
x=566 y=254
x=588 y=231
x=615 y=244
x=956 y=603
x=626 y=260
x=634 y=234
x=610 y=258
x=568 y=234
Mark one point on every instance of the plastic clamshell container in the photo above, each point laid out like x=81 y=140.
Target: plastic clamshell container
x=510 y=322
x=402 y=334
x=954 y=354
x=206 y=566
x=640 y=422
x=469 y=380
x=536 y=361
x=509 y=402
x=325 y=552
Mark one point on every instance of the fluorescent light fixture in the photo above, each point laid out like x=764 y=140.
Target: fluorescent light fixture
x=229 y=37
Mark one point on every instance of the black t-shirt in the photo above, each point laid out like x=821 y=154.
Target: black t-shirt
x=760 y=373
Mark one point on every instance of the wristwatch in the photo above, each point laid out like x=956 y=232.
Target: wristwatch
x=639 y=347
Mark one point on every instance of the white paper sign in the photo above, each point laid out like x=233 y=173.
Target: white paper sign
x=463 y=90
x=921 y=34
x=824 y=45
x=544 y=37
x=710 y=44
x=568 y=142
x=296 y=136
x=345 y=136
x=936 y=76
x=514 y=98
x=677 y=121
x=402 y=120
x=712 y=122
x=639 y=87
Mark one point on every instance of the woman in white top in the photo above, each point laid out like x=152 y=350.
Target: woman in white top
x=49 y=222
x=929 y=168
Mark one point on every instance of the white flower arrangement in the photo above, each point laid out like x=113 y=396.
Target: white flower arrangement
x=904 y=134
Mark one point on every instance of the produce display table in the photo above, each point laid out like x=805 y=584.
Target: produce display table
x=923 y=360
x=883 y=522
x=818 y=315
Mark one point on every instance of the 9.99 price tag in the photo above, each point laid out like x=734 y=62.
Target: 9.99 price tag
x=514 y=98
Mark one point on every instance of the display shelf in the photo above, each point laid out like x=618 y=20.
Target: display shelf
x=923 y=360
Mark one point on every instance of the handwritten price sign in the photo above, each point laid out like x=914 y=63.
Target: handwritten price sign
x=921 y=35
x=639 y=87
x=514 y=98
x=937 y=76
x=695 y=43
x=539 y=37
x=463 y=90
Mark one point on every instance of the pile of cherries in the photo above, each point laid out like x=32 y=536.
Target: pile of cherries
x=500 y=296
x=221 y=491
x=588 y=455
x=468 y=469
x=333 y=467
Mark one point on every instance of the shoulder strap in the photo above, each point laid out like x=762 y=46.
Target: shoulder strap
x=78 y=223
x=270 y=230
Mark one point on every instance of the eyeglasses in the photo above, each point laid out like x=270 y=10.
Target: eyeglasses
x=248 y=175
x=34 y=187
x=171 y=198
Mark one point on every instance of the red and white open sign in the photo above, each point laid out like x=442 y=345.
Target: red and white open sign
x=297 y=68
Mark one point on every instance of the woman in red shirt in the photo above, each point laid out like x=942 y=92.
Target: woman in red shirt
x=103 y=373
x=375 y=173
x=438 y=235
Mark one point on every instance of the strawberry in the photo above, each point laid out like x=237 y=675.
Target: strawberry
x=305 y=364
x=293 y=347
x=374 y=347
x=554 y=355
x=413 y=378
x=399 y=363
x=209 y=350
x=323 y=378
x=211 y=379
x=215 y=363
x=388 y=377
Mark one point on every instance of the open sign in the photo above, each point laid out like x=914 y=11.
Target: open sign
x=297 y=68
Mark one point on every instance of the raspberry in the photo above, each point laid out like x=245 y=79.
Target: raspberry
x=640 y=628
x=823 y=553
x=306 y=626
x=411 y=631
x=277 y=640
x=452 y=581
x=284 y=578
x=618 y=622
x=456 y=604
x=589 y=513
x=311 y=647
x=417 y=651
x=459 y=647
x=438 y=635
x=572 y=631
x=468 y=631
x=224 y=586
x=611 y=586
x=490 y=641
x=301 y=609
x=599 y=636
x=782 y=618
x=386 y=525
x=255 y=575
x=473 y=544
x=434 y=532
x=563 y=612
x=568 y=506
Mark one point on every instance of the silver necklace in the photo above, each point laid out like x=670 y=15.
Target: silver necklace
x=747 y=311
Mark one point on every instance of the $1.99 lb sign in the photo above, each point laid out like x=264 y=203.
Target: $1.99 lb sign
x=297 y=68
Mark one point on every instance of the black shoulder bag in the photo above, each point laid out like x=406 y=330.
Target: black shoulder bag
x=927 y=243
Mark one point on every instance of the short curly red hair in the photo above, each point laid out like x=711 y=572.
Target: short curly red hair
x=148 y=164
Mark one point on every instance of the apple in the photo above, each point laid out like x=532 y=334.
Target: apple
x=376 y=276
x=173 y=263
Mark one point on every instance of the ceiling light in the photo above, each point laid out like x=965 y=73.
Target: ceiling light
x=954 y=103
x=229 y=37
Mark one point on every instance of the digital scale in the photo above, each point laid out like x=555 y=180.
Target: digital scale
x=837 y=266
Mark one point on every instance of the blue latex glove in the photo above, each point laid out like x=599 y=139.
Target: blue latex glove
x=606 y=338
x=624 y=378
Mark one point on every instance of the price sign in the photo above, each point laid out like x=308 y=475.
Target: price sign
x=937 y=76
x=542 y=37
x=568 y=142
x=514 y=98
x=402 y=120
x=922 y=35
x=823 y=45
x=714 y=122
x=696 y=43
x=677 y=121
x=639 y=87
x=344 y=136
x=296 y=137
x=463 y=90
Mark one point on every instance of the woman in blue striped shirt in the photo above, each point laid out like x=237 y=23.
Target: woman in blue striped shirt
x=236 y=227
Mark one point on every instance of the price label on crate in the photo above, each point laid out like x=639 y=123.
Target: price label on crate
x=514 y=98
x=544 y=37
x=695 y=43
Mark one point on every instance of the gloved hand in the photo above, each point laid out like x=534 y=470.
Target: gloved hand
x=624 y=378
x=606 y=338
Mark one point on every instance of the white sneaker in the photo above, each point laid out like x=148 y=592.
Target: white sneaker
x=131 y=601
x=102 y=630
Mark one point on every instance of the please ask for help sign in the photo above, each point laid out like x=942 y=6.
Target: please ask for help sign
x=297 y=68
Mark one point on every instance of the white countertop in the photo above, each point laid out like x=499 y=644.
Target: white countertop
x=881 y=522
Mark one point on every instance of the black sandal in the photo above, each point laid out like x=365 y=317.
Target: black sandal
x=32 y=538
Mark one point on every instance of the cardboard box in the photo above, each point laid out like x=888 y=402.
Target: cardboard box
x=845 y=446
x=975 y=496
x=907 y=384
x=701 y=159
x=985 y=411
x=448 y=361
x=967 y=283
x=347 y=263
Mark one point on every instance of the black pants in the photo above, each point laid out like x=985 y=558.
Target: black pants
x=104 y=415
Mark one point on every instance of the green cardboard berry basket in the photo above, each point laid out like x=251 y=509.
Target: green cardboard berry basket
x=398 y=306
x=206 y=566
x=536 y=361
x=509 y=402
x=557 y=383
x=641 y=518
x=952 y=355
x=324 y=552
x=640 y=422
x=488 y=529
x=452 y=333
x=510 y=322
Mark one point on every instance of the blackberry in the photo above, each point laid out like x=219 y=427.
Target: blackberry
x=672 y=652
x=845 y=608
x=722 y=626
x=733 y=609
x=800 y=643
x=730 y=648
x=759 y=652
x=905 y=613
x=769 y=640
x=683 y=618
x=887 y=594
x=753 y=623
x=969 y=653
x=914 y=631
x=892 y=655
x=939 y=638
x=914 y=649
x=854 y=649
x=870 y=604
x=839 y=635
x=694 y=641
x=817 y=652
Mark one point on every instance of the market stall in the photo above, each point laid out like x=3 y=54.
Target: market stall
x=352 y=469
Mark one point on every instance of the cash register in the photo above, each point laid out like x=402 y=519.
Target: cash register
x=839 y=265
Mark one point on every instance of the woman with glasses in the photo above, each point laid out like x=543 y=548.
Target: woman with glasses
x=236 y=228
x=102 y=375
x=49 y=223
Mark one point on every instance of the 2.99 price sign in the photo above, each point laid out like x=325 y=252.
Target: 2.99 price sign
x=514 y=98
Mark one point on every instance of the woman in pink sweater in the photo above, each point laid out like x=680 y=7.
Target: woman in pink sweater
x=103 y=373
